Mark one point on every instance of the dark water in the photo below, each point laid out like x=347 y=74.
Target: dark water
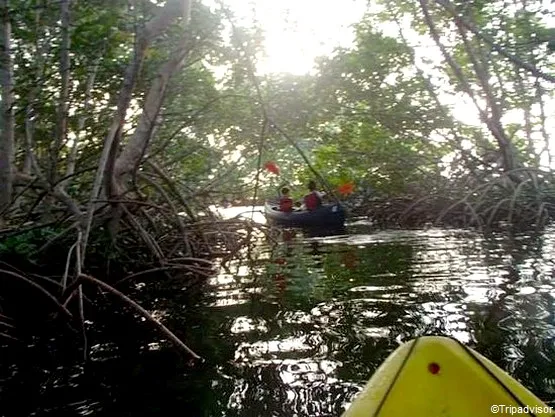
x=297 y=325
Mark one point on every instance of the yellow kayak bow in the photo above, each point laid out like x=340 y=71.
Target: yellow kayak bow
x=437 y=376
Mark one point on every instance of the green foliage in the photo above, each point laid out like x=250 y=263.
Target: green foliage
x=371 y=113
x=25 y=245
x=379 y=115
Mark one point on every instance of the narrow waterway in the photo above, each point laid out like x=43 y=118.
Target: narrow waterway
x=295 y=325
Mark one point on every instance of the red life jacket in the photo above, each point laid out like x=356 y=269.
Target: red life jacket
x=285 y=204
x=312 y=201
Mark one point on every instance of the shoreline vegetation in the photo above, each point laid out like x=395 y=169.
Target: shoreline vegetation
x=116 y=132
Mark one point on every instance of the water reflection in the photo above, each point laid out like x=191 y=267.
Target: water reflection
x=349 y=299
x=297 y=325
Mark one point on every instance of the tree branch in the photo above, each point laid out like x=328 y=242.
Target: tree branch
x=493 y=123
x=165 y=331
x=513 y=58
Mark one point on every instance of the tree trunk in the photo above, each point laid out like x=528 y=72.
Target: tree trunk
x=130 y=158
x=128 y=162
x=63 y=104
x=42 y=47
x=528 y=125
x=471 y=162
x=166 y=15
x=543 y=119
x=7 y=112
x=493 y=122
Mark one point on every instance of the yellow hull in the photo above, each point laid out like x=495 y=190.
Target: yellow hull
x=437 y=376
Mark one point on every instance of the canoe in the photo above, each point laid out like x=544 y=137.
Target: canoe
x=326 y=215
x=438 y=376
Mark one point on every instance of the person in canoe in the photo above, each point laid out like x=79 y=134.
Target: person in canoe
x=313 y=200
x=285 y=202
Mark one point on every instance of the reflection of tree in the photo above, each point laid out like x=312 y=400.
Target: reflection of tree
x=517 y=331
x=291 y=387
x=378 y=265
x=353 y=309
x=518 y=334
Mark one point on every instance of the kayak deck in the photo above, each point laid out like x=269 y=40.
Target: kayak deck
x=438 y=376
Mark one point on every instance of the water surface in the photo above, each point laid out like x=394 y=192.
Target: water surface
x=297 y=324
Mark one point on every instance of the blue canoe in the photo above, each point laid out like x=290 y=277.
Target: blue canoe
x=326 y=215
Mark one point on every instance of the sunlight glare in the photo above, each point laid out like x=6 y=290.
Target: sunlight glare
x=298 y=31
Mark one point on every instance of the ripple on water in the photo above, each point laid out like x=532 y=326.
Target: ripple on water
x=308 y=391
x=351 y=299
x=371 y=288
x=300 y=329
x=278 y=348
x=344 y=302
x=246 y=325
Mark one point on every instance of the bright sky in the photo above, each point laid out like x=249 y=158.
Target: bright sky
x=298 y=31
